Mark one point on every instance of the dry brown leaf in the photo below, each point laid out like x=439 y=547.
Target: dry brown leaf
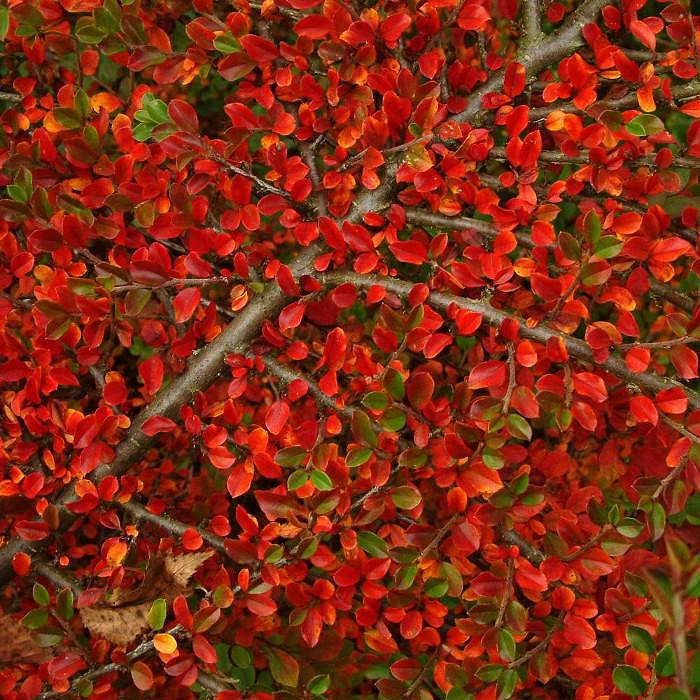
x=17 y=644
x=117 y=625
x=123 y=617
x=181 y=568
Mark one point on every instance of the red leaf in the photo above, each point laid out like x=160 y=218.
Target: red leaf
x=643 y=410
x=487 y=375
x=590 y=385
x=420 y=389
x=436 y=344
x=412 y=252
x=530 y=578
x=291 y=315
x=151 y=373
x=394 y=26
x=314 y=27
x=32 y=530
x=276 y=416
x=142 y=676
x=184 y=116
x=261 y=605
x=240 y=479
x=185 y=303
x=672 y=401
x=685 y=361
x=514 y=79
x=203 y=649
x=65 y=665
x=593 y=563
x=642 y=32
x=584 y=415
x=579 y=632
x=260 y=50
x=466 y=538
x=158 y=424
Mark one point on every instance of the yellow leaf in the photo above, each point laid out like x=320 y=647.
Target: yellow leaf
x=165 y=643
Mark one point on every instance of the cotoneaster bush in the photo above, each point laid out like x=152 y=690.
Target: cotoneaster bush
x=349 y=349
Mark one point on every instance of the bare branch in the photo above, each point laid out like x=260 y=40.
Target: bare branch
x=538 y=56
x=541 y=334
x=171 y=525
x=531 y=21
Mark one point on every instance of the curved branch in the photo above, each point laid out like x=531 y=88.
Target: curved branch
x=616 y=366
x=202 y=370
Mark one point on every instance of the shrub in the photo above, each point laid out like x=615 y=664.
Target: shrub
x=349 y=349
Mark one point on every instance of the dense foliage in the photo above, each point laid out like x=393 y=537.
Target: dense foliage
x=348 y=349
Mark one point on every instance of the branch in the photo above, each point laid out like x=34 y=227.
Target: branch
x=175 y=527
x=577 y=348
x=530 y=552
x=536 y=57
x=629 y=101
x=201 y=372
x=499 y=153
x=455 y=223
x=10 y=97
x=531 y=21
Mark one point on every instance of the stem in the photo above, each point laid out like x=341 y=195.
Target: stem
x=438 y=537
x=184 y=282
x=540 y=647
x=511 y=379
x=661 y=344
x=506 y=594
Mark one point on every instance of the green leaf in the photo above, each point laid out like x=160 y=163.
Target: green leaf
x=506 y=645
x=357 y=456
x=591 y=227
x=608 y=247
x=630 y=527
x=393 y=420
x=645 y=125
x=489 y=672
x=640 y=639
x=318 y=685
x=67 y=118
x=375 y=401
x=393 y=383
x=629 y=680
x=41 y=595
x=35 y=619
x=321 y=480
x=505 y=685
x=283 y=667
x=240 y=656
x=405 y=576
x=518 y=427
x=665 y=662
x=670 y=694
x=362 y=430
x=226 y=43
x=297 y=479
x=406 y=497
x=64 y=604
x=4 y=21
x=84 y=687
x=374 y=545
x=291 y=456
x=436 y=587
x=142 y=132
x=157 y=613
